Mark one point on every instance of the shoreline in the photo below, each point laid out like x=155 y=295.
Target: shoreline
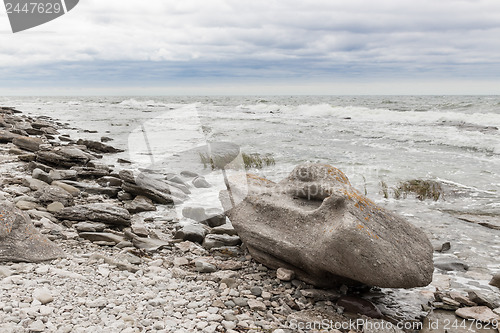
x=175 y=284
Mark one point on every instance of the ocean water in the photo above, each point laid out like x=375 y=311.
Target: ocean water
x=373 y=139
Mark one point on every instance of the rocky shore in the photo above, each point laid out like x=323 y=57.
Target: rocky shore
x=91 y=247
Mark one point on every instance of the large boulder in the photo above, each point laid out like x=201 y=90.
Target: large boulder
x=20 y=241
x=98 y=212
x=315 y=223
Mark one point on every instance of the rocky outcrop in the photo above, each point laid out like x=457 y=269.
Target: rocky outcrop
x=315 y=223
x=20 y=241
x=99 y=212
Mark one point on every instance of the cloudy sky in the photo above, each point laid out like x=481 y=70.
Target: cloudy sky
x=164 y=47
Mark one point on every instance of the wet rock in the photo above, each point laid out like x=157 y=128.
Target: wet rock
x=215 y=219
x=480 y=313
x=480 y=299
x=189 y=174
x=41 y=175
x=140 y=229
x=20 y=240
x=140 y=204
x=98 y=212
x=98 y=147
x=7 y=136
x=317 y=224
x=320 y=295
x=106 y=139
x=51 y=193
x=194 y=213
x=27 y=143
x=191 y=232
x=442 y=247
x=154 y=189
x=214 y=240
x=200 y=182
x=495 y=280
x=357 y=305
x=451 y=264
x=284 y=274
x=65 y=157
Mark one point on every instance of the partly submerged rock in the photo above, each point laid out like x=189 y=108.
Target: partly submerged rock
x=20 y=240
x=315 y=223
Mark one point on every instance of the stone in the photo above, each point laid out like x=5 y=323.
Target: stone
x=150 y=244
x=461 y=299
x=200 y=182
x=495 y=281
x=43 y=295
x=64 y=157
x=181 y=261
x=480 y=299
x=315 y=223
x=102 y=237
x=140 y=229
x=191 y=232
x=256 y=305
x=27 y=143
x=26 y=205
x=98 y=147
x=140 y=204
x=68 y=188
x=37 y=326
x=320 y=295
x=90 y=172
x=109 y=181
x=89 y=226
x=225 y=229
x=5 y=272
x=215 y=220
x=7 y=136
x=194 y=213
x=480 y=313
x=214 y=240
x=284 y=274
x=34 y=184
x=55 y=207
x=52 y=193
x=204 y=267
x=21 y=241
x=157 y=190
x=97 y=212
x=256 y=291
x=62 y=174
x=41 y=175
x=451 y=264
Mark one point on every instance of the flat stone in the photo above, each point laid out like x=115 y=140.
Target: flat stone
x=256 y=305
x=55 y=207
x=140 y=204
x=27 y=143
x=284 y=274
x=480 y=299
x=191 y=232
x=204 y=267
x=102 y=237
x=52 y=193
x=480 y=313
x=41 y=175
x=216 y=240
x=26 y=205
x=43 y=295
x=98 y=212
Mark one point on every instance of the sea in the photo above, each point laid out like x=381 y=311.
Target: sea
x=379 y=142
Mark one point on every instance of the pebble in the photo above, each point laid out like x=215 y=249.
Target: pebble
x=204 y=267
x=43 y=295
x=284 y=274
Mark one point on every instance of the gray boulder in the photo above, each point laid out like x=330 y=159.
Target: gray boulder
x=315 y=223
x=51 y=193
x=98 y=212
x=20 y=241
x=27 y=143
x=191 y=232
x=65 y=157
x=140 y=204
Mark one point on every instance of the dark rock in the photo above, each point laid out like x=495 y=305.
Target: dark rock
x=98 y=212
x=315 y=223
x=216 y=220
x=140 y=204
x=495 y=280
x=320 y=295
x=67 y=187
x=51 y=193
x=106 y=139
x=91 y=172
x=191 y=232
x=109 y=181
x=7 y=136
x=480 y=299
x=27 y=143
x=35 y=165
x=360 y=306
x=189 y=174
x=21 y=241
x=214 y=240
x=65 y=157
x=123 y=161
x=98 y=147
x=172 y=177
x=154 y=189
x=451 y=264
x=201 y=182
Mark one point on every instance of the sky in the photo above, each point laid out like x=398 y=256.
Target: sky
x=258 y=47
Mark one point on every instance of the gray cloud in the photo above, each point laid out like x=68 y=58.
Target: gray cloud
x=281 y=36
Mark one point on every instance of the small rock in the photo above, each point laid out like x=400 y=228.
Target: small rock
x=495 y=280
x=216 y=240
x=480 y=313
x=26 y=205
x=55 y=207
x=140 y=204
x=43 y=295
x=284 y=274
x=191 y=232
x=480 y=299
x=451 y=264
x=189 y=174
x=180 y=261
x=256 y=305
x=256 y=291
x=42 y=175
x=37 y=326
x=200 y=182
x=204 y=267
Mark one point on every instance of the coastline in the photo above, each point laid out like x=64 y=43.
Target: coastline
x=150 y=281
